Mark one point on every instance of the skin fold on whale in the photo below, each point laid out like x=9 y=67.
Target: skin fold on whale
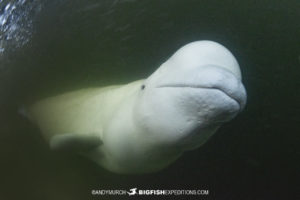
x=146 y=125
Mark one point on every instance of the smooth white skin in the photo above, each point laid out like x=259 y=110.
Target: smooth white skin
x=182 y=105
x=144 y=130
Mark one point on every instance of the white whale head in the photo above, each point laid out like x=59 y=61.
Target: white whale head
x=191 y=95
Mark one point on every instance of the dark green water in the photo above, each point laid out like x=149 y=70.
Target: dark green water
x=75 y=44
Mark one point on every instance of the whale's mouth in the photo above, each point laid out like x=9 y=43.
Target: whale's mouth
x=236 y=98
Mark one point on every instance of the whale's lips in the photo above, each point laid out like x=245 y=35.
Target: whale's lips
x=211 y=78
x=239 y=98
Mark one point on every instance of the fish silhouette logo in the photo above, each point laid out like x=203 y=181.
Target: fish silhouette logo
x=132 y=192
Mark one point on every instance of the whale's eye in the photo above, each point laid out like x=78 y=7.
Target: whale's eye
x=143 y=87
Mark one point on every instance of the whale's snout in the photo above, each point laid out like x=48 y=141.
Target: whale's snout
x=207 y=78
x=220 y=78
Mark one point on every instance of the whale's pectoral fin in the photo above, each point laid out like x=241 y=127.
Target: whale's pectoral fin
x=74 y=142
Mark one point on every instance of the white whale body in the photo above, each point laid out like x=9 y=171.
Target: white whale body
x=147 y=124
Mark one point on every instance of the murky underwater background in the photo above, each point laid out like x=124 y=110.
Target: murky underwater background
x=48 y=47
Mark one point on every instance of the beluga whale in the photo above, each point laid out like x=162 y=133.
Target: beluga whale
x=144 y=126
